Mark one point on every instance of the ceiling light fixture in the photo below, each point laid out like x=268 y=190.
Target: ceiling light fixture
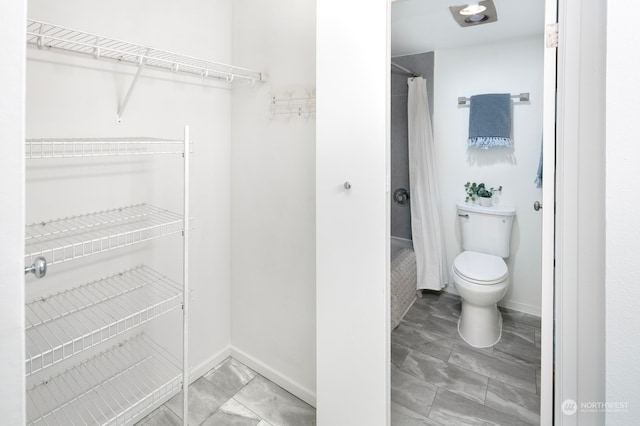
x=472 y=9
x=472 y=14
x=474 y=19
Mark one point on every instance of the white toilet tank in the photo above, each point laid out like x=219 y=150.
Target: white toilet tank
x=486 y=229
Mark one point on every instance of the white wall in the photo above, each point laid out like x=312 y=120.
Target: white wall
x=73 y=97
x=353 y=226
x=273 y=197
x=12 y=398
x=623 y=232
x=513 y=66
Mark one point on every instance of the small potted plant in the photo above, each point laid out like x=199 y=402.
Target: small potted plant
x=480 y=192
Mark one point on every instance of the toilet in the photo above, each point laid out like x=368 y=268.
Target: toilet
x=480 y=274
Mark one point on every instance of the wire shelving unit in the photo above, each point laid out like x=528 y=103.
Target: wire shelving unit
x=99 y=147
x=112 y=388
x=71 y=321
x=71 y=238
x=51 y=36
x=120 y=384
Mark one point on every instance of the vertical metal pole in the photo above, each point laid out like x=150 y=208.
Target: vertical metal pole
x=185 y=284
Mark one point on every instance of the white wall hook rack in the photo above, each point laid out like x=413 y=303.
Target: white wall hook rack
x=55 y=37
x=291 y=104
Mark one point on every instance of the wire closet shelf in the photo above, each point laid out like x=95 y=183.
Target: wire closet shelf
x=74 y=237
x=71 y=321
x=114 y=387
x=99 y=147
x=42 y=34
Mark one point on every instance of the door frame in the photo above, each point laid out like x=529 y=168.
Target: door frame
x=548 y=214
x=573 y=269
x=579 y=363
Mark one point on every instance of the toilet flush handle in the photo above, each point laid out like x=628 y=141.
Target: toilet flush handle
x=463 y=215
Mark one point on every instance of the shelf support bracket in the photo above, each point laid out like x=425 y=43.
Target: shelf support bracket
x=141 y=63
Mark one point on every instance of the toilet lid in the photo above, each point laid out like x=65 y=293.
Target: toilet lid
x=480 y=268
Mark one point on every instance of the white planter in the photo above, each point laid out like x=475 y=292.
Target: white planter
x=485 y=202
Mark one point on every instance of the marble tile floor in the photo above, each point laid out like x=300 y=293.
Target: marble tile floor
x=232 y=394
x=438 y=379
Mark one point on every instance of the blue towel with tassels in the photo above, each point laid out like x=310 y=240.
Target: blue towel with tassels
x=490 y=121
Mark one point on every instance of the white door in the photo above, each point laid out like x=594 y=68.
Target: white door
x=352 y=224
x=12 y=75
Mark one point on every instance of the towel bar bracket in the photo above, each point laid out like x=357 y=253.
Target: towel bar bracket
x=522 y=97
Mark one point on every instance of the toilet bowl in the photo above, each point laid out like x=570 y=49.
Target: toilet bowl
x=481 y=280
x=480 y=274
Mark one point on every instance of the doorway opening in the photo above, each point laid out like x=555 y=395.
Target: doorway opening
x=436 y=374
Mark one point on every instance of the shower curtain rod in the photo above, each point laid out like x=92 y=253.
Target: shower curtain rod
x=407 y=70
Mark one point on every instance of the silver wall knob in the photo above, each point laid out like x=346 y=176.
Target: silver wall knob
x=39 y=267
x=347 y=185
x=537 y=205
x=401 y=197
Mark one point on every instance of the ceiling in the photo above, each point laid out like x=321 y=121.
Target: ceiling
x=419 y=26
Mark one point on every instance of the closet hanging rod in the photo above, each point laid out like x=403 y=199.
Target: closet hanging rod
x=42 y=34
x=521 y=97
x=407 y=70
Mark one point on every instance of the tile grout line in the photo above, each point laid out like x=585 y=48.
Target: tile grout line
x=486 y=392
x=217 y=368
x=493 y=354
x=249 y=409
x=239 y=390
x=433 y=403
x=494 y=378
x=525 y=365
x=468 y=369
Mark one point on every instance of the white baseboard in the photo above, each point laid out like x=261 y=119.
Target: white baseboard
x=521 y=307
x=305 y=394
x=202 y=368
x=196 y=372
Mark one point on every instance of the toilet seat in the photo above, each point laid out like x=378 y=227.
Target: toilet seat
x=480 y=268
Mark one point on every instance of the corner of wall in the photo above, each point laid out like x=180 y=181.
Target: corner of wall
x=273 y=197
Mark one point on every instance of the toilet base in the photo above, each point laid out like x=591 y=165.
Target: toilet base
x=480 y=326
